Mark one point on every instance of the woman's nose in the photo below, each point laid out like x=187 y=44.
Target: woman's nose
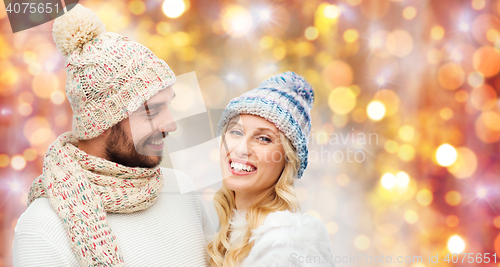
x=242 y=149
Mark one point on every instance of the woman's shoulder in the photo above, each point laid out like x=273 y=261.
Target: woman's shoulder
x=293 y=225
x=284 y=236
x=291 y=219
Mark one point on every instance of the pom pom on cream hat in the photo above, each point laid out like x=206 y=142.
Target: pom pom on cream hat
x=109 y=76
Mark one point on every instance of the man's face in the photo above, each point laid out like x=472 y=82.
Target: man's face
x=138 y=140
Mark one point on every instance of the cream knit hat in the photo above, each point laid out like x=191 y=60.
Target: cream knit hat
x=109 y=76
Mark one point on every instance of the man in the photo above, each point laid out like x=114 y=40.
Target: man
x=102 y=199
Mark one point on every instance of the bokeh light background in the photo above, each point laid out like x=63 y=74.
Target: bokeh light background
x=406 y=91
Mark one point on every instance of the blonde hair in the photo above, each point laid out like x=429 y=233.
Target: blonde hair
x=280 y=197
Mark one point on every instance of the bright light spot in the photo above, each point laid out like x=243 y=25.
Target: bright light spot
x=231 y=77
x=376 y=110
x=362 y=242
x=14 y=186
x=424 y=197
x=463 y=26
x=18 y=162
x=478 y=4
x=331 y=11
x=492 y=35
x=266 y=42
x=57 y=97
x=388 y=181
x=240 y=24
x=341 y=100
x=402 y=179
x=409 y=13
x=481 y=192
x=376 y=41
x=406 y=133
x=136 y=7
x=25 y=109
x=446 y=155
x=5 y=111
x=406 y=152
x=437 y=32
x=411 y=216
x=311 y=33
x=351 y=35
x=265 y=14
x=456 y=244
x=173 y=8
x=236 y=20
x=391 y=146
x=380 y=80
x=475 y=79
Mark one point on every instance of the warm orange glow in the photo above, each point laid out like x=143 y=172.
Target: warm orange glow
x=487 y=61
x=337 y=73
x=452 y=220
x=409 y=13
x=437 y=32
x=451 y=76
x=453 y=198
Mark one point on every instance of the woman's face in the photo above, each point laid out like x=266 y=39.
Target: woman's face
x=252 y=156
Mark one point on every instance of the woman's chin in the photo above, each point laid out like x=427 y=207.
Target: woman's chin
x=237 y=183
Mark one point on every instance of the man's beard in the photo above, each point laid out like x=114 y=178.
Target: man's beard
x=121 y=150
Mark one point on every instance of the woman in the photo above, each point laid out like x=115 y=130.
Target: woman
x=264 y=149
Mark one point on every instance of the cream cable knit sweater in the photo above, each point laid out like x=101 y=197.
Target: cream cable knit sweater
x=172 y=232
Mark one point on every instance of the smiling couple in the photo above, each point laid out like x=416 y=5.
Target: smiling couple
x=103 y=200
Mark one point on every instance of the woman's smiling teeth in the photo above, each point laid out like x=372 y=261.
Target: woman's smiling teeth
x=242 y=167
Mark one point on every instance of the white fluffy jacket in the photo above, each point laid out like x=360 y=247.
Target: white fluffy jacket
x=284 y=239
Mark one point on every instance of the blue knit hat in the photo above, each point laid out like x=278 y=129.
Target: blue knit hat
x=286 y=100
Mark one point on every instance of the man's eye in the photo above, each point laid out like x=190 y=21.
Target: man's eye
x=152 y=113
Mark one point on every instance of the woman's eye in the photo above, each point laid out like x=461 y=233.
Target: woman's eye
x=236 y=132
x=265 y=139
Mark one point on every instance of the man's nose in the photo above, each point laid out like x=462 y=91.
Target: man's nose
x=168 y=124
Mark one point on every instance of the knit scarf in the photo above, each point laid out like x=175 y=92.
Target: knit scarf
x=82 y=188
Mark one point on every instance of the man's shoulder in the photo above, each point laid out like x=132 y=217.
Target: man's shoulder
x=176 y=181
x=39 y=217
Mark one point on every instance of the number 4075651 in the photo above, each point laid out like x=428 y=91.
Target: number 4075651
x=32 y=7
x=478 y=258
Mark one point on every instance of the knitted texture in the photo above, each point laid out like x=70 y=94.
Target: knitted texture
x=109 y=76
x=285 y=100
x=82 y=188
x=75 y=29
